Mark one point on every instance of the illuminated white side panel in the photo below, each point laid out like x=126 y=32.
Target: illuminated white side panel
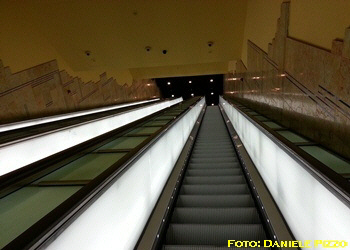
x=311 y=210
x=38 y=121
x=116 y=219
x=18 y=154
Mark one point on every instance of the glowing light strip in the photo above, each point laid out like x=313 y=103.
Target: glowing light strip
x=38 y=121
x=18 y=154
x=309 y=208
x=116 y=219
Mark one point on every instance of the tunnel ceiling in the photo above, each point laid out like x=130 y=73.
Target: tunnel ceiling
x=116 y=33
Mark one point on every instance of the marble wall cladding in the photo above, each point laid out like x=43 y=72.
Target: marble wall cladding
x=44 y=90
x=303 y=87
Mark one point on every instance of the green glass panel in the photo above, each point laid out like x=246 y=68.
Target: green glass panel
x=261 y=118
x=144 y=130
x=85 y=168
x=156 y=123
x=272 y=125
x=21 y=209
x=253 y=113
x=168 y=117
x=292 y=136
x=172 y=112
x=332 y=161
x=124 y=142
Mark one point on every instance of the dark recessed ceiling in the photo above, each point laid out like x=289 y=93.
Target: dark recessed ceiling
x=199 y=86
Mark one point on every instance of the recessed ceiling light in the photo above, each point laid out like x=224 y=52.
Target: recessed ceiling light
x=169 y=83
x=211 y=80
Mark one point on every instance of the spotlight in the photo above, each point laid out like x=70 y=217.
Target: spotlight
x=212 y=104
x=211 y=80
x=172 y=95
x=192 y=94
x=189 y=81
x=212 y=93
x=169 y=83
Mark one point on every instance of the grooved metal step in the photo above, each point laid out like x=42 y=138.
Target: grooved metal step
x=213 y=172
x=216 y=215
x=247 y=215
x=215 y=189
x=214 y=160
x=217 y=235
x=214 y=179
x=219 y=165
x=238 y=200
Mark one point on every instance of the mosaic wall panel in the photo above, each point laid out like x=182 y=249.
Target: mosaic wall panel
x=305 y=88
x=45 y=90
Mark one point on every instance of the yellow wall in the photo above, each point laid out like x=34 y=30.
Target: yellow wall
x=261 y=23
x=319 y=21
x=117 y=32
x=314 y=21
x=23 y=46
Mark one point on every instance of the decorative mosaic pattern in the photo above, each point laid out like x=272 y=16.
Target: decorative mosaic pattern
x=305 y=88
x=44 y=90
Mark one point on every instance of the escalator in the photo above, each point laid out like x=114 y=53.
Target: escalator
x=215 y=203
x=7 y=136
x=53 y=190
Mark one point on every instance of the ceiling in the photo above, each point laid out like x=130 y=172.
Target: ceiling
x=117 y=32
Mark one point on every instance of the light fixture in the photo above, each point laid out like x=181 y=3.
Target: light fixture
x=148 y=84
x=211 y=80
x=212 y=93
x=169 y=83
x=172 y=95
x=212 y=104
x=189 y=81
x=192 y=94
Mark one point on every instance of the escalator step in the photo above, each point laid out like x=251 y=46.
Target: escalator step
x=217 y=235
x=200 y=153
x=213 y=160
x=241 y=200
x=218 y=144
x=216 y=215
x=203 y=151
x=247 y=215
x=213 y=172
x=237 y=179
x=214 y=165
x=215 y=189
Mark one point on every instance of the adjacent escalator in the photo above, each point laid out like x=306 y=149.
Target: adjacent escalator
x=39 y=199
x=214 y=204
